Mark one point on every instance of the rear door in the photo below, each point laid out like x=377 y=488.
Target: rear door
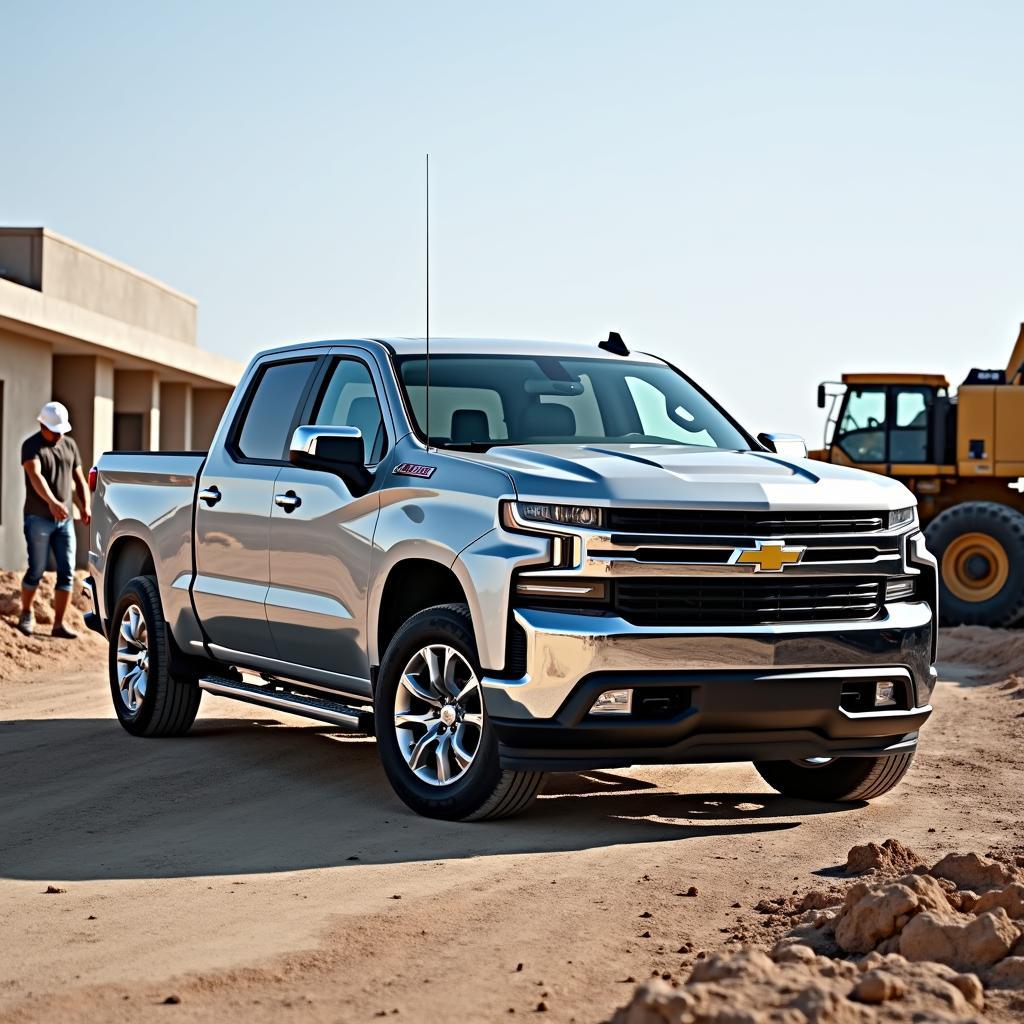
x=233 y=509
x=321 y=536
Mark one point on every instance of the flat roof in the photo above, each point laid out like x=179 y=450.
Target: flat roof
x=936 y=380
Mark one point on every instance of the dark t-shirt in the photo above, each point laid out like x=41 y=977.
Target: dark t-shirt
x=58 y=462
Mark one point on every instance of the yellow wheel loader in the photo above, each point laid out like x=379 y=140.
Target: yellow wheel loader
x=962 y=454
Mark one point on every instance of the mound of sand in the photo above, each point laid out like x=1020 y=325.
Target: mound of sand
x=891 y=858
x=921 y=945
x=24 y=657
x=995 y=653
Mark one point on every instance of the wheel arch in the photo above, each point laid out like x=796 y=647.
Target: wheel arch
x=129 y=556
x=410 y=585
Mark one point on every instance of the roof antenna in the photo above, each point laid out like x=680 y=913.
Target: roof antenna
x=614 y=344
x=428 y=299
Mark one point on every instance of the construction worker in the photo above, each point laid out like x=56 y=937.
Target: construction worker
x=53 y=477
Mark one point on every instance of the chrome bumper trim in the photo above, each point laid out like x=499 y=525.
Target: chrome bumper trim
x=562 y=649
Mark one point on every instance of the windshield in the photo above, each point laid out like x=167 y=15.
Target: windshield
x=481 y=401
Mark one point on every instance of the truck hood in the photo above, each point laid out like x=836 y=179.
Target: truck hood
x=645 y=474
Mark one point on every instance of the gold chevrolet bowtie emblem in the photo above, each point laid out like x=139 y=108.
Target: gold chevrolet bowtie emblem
x=768 y=556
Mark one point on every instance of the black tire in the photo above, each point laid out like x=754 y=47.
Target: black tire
x=170 y=702
x=485 y=790
x=1004 y=526
x=841 y=780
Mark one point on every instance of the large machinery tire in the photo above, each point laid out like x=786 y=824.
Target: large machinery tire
x=980 y=549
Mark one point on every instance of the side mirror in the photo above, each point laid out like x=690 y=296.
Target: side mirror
x=337 y=450
x=789 y=446
x=821 y=396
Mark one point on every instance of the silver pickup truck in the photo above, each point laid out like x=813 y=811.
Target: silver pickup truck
x=518 y=558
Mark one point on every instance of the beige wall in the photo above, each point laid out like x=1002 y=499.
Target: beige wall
x=139 y=391
x=25 y=369
x=64 y=269
x=208 y=406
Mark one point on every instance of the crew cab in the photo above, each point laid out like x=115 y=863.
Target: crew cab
x=511 y=558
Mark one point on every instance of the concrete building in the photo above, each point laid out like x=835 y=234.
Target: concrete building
x=115 y=346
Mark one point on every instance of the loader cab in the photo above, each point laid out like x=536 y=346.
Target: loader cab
x=895 y=423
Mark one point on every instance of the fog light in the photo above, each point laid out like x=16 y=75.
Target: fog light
x=613 y=702
x=885 y=694
x=899 y=588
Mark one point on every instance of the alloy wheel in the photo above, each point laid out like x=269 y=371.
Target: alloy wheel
x=439 y=715
x=132 y=658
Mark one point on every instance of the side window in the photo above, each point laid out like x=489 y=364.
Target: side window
x=655 y=421
x=861 y=433
x=350 y=400
x=264 y=431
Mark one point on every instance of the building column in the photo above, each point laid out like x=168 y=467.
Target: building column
x=85 y=384
x=208 y=406
x=175 y=417
x=137 y=409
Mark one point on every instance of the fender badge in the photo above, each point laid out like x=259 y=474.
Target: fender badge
x=411 y=469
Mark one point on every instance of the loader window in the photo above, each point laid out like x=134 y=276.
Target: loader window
x=861 y=433
x=908 y=441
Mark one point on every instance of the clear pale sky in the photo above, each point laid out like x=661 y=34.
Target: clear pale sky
x=767 y=193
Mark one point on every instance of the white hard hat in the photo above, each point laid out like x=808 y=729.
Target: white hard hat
x=54 y=416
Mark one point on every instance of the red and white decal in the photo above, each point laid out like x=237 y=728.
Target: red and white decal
x=411 y=469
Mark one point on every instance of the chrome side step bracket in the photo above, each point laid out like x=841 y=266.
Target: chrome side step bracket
x=275 y=696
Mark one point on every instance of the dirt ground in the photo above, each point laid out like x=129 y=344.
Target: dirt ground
x=260 y=869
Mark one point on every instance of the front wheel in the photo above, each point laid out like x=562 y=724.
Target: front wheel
x=149 y=699
x=835 y=779
x=437 y=746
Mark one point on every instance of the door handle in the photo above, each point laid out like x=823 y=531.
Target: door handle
x=211 y=495
x=289 y=501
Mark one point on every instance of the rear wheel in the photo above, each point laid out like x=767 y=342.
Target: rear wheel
x=438 y=749
x=148 y=698
x=980 y=549
x=835 y=779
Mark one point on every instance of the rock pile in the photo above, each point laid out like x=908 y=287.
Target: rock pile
x=797 y=986
x=904 y=942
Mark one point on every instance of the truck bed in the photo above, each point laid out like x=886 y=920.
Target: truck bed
x=149 y=496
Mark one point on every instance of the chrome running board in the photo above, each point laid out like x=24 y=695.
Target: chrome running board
x=275 y=695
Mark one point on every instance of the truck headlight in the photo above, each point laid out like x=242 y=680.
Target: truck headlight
x=558 y=515
x=902 y=517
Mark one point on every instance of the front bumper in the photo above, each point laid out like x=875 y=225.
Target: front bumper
x=757 y=693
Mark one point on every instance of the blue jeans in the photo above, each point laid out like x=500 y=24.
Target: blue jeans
x=43 y=535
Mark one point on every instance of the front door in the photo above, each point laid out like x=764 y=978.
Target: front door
x=233 y=512
x=321 y=537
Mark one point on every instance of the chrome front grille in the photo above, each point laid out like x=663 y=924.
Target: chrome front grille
x=732 y=523
x=753 y=600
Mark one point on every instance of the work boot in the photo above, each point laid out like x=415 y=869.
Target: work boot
x=27 y=623
x=63 y=633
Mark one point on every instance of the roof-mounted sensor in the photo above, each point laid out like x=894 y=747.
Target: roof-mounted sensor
x=614 y=344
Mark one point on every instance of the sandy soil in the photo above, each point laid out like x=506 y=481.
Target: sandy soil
x=20 y=656
x=261 y=869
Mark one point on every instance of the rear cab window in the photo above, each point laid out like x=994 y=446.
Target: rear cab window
x=264 y=428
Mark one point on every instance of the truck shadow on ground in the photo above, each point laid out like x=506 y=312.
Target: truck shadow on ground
x=82 y=800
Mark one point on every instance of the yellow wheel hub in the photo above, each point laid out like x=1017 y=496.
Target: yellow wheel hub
x=975 y=567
